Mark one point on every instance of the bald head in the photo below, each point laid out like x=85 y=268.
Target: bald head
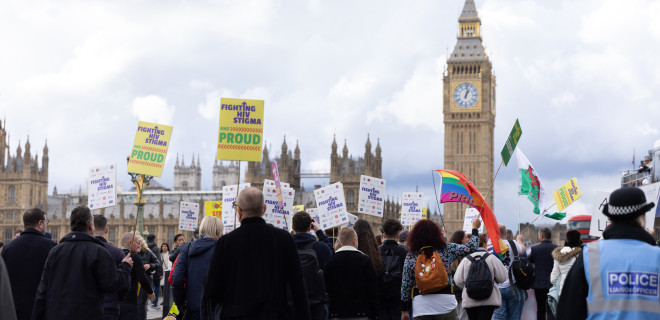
x=348 y=237
x=130 y=240
x=250 y=202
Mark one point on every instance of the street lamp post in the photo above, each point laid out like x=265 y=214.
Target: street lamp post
x=141 y=182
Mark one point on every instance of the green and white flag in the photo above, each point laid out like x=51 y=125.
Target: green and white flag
x=556 y=215
x=530 y=183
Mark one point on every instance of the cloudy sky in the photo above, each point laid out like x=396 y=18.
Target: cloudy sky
x=581 y=76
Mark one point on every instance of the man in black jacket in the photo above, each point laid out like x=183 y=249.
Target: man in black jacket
x=111 y=300
x=129 y=305
x=393 y=255
x=302 y=224
x=252 y=266
x=541 y=256
x=77 y=274
x=351 y=281
x=25 y=269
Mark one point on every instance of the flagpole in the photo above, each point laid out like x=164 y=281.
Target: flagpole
x=542 y=213
x=435 y=191
x=519 y=213
x=238 y=187
x=491 y=186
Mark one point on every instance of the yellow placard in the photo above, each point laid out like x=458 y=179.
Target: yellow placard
x=297 y=209
x=149 y=149
x=241 y=129
x=213 y=209
x=425 y=213
x=567 y=194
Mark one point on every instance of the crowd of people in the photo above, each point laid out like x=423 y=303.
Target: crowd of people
x=261 y=272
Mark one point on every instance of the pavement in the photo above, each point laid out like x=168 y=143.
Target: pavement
x=153 y=314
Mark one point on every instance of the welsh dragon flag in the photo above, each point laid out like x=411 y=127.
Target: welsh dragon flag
x=530 y=183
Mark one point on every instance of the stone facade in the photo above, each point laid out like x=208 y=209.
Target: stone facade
x=23 y=184
x=187 y=178
x=469 y=112
x=288 y=165
x=347 y=170
x=224 y=175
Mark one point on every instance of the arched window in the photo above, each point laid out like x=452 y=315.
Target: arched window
x=350 y=198
x=12 y=194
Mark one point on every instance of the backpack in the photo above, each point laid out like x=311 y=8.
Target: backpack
x=521 y=269
x=430 y=273
x=312 y=273
x=391 y=269
x=479 y=282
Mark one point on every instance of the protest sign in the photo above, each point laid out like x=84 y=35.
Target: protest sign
x=297 y=209
x=314 y=213
x=213 y=209
x=279 y=217
x=652 y=193
x=352 y=219
x=598 y=220
x=470 y=215
x=149 y=149
x=271 y=183
x=511 y=142
x=228 y=197
x=331 y=205
x=188 y=213
x=278 y=187
x=241 y=129
x=411 y=210
x=567 y=194
x=371 y=196
x=101 y=188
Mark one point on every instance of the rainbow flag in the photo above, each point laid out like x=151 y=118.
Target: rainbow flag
x=458 y=188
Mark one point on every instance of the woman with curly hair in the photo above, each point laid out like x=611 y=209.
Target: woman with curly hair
x=367 y=244
x=426 y=237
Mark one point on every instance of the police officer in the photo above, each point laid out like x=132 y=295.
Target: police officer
x=618 y=277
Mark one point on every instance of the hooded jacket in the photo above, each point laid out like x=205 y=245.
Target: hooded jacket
x=564 y=259
x=77 y=274
x=191 y=268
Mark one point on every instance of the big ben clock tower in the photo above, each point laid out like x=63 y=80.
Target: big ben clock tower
x=469 y=112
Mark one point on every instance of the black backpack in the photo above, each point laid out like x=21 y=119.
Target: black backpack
x=521 y=269
x=312 y=273
x=391 y=270
x=479 y=282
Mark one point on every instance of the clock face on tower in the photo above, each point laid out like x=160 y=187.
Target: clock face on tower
x=465 y=95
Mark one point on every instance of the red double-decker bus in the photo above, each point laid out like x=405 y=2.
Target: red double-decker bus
x=581 y=223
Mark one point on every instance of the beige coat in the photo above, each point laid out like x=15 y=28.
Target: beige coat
x=497 y=271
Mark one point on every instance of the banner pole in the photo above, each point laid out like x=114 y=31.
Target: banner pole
x=238 y=187
x=491 y=185
x=519 y=213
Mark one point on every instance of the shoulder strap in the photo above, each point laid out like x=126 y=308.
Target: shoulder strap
x=470 y=257
x=484 y=256
x=513 y=248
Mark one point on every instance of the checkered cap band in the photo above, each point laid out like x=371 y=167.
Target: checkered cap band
x=614 y=210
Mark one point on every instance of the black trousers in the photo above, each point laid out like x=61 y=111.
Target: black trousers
x=541 y=302
x=480 y=313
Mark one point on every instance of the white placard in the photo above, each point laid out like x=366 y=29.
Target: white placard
x=598 y=220
x=274 y=215
x=411 y=209
x=371 y=196
x=331 y=205
x=188 y=215
x=470 y=215
x=314 y=213
x=352 y=219
x=271 y=183
x=228 y=197
x=101 y=188
x=652 y=193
